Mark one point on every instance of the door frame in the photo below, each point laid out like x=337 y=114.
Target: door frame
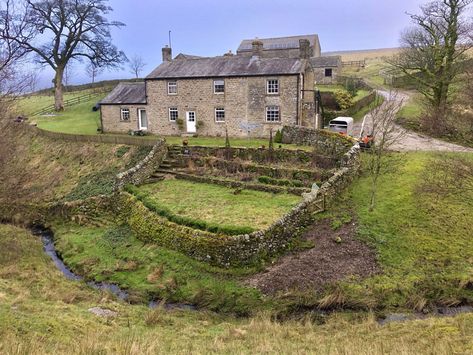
x=141 y=128
x=187 y=122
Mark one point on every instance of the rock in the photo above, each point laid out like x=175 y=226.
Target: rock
x=102 y=312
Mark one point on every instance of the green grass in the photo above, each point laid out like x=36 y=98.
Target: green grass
x=150 y=272
x=78 y=119
x=423 y=241
x=42 y=312
x=370 y=73
x=219 y=205
x=30 y=104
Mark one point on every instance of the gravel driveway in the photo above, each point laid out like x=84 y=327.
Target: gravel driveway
x=412 y=141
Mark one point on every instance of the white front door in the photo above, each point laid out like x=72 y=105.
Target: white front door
x=191 y=122
x=142 y=119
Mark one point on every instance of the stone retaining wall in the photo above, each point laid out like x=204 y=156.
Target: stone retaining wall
x=325 y=142
x=143 y=170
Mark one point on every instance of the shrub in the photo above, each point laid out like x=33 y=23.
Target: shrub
x=280 y=182
x=344 y=99
x=180 y=123
x=278 y=137
x=95 y=184
x=122 y=151
x=351 y=86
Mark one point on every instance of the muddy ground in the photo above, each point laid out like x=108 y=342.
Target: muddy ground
x=337 y=255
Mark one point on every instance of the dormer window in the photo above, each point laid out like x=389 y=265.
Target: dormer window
x=219 y=86
x=272 y=87
x=172 y=87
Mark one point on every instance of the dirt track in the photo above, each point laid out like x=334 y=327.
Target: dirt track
x=413 y=141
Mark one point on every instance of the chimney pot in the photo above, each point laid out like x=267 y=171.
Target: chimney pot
x=257 y=46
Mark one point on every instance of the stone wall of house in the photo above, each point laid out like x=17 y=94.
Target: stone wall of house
x=321 y=79
x=244 y=100
x=112 y=123
x=326 y=142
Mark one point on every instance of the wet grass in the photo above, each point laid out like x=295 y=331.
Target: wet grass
x=113 y=254
x=41 y=312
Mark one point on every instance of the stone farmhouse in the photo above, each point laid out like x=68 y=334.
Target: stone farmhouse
x=269 y=83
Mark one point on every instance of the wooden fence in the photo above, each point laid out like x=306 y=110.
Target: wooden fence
x=354 y=63
x=67 y=103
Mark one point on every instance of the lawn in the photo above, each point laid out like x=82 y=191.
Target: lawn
x=423 y=239
x=220 y=205
x=77 y=119
x=42 y=312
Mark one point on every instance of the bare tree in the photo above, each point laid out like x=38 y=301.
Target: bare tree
x=386 y=134
x=93 y=71
x=60 y=31
x=136 y=65
x=434 y=51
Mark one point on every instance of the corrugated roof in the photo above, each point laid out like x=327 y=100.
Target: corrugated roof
x=278 y=43
x=227 y=66
x=127 y=93
x=329 y=61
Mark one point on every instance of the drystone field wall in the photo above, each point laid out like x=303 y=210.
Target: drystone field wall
x=230 y=251
x=139 y=173
x=325 y=142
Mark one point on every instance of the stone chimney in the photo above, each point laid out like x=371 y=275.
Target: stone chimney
x=167 y=54
x=257 y=47
x=304 y=48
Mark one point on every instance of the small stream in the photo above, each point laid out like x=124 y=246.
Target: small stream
x=47 y=237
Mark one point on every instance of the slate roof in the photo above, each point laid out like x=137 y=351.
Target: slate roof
x=186 y=56
x=227 y=66
x=278 y=43
x=323 y=62
x=127 y=93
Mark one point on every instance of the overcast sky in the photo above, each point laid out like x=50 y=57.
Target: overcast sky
x=212 y=27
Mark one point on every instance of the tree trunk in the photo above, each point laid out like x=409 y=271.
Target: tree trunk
x=58 y=94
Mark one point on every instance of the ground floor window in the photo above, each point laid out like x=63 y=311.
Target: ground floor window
x=173 y=114
x=272 y=114
x=328 y=73
x=219 y=114
x=125 y=114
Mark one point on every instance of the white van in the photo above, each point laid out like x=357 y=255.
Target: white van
x=342 y=125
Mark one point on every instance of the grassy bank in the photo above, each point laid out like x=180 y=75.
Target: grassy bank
x=422 y=238
x=113 y=254
x=41 y=312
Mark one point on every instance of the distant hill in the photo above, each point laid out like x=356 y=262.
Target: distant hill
x=364 y=53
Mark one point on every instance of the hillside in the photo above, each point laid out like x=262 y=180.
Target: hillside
x=41 y=312
x=368 y=54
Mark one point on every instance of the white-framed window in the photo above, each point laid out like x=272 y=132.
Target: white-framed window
x=125 y=114
x=219 y=86
x=173 y=114
x=172 y=87
x=272 y=114
x=272 y=86
x=220 y=114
